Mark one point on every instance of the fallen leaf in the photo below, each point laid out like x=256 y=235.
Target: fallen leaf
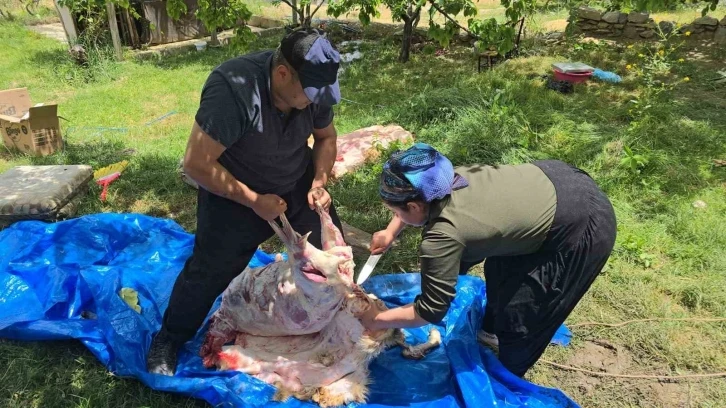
x=131 y=297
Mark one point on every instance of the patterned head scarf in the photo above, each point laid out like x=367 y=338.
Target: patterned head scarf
x=419 y=171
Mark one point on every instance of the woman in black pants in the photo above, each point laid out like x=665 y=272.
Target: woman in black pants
x=544 y=230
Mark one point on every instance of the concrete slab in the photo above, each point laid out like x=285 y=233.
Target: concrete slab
x=54 y=31
x=157 y=51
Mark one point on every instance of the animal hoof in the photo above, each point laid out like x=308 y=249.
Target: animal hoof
x=420 y=351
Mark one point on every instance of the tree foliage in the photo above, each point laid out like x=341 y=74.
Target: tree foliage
x=490 y=34
x=215 y=14
x=93 y=18
x=406 y=11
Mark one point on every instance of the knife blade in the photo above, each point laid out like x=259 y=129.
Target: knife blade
x=368 y=268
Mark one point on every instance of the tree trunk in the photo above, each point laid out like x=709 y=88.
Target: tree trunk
x=308 y=19
x=214 y=41
x=410 y=21
x=406 y=43
x=301 y=15
x=294 y=11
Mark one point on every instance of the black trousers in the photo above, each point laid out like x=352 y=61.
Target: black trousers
x=226 y=239
x=529 y=297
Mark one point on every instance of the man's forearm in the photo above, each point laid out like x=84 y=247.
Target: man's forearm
x=217 y=180
x=324 y=153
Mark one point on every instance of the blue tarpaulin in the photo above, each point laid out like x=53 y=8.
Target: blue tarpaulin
x=63 y=280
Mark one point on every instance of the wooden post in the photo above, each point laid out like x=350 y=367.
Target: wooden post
x=133 y=35
x=113 y=26
x=67 y=20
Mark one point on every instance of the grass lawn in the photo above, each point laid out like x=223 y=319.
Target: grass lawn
x=670 y=257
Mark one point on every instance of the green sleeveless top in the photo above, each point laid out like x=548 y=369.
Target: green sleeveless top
x=505 y=211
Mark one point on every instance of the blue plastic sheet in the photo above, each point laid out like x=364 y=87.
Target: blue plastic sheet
x=62 y=281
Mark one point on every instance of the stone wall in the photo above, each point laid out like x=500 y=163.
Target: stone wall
x=639 y=26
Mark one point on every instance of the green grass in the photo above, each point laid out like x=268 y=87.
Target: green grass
x=501 y=116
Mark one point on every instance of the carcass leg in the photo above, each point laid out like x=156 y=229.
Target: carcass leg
x=419 y=351
x=282 y=393
x=331 y=235
x=217 y=336
x=351 y=388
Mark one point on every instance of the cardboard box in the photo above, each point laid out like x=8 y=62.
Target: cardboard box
x=29 y=129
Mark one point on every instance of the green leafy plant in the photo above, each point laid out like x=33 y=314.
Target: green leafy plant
x=632 y=247
x=635 y=162
x=176 y=8
x=216 y=14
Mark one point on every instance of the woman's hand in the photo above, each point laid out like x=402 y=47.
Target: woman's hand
x=381 y=241
x=368 y=318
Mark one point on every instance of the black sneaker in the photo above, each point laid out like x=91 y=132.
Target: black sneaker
x=162 y=355
x=488 y=340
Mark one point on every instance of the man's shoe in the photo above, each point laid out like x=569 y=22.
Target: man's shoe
x=162 y=355
x=488 y=340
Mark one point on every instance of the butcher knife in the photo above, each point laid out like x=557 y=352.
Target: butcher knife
x=368 y=268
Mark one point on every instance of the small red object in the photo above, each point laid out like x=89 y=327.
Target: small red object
x=105 y=181
x=574 y=77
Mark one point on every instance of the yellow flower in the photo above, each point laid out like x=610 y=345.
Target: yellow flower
x=641 y=55
x=628 y=66
x=680 y=60
x=630 y=46
x=661 y=52
x=688 y=33
x=686 y=79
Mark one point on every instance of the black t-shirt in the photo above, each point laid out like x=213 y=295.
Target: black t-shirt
x=265 y=150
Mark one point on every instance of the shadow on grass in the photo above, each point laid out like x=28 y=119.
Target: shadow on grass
x=211 y=57
x=149 y=185
x=61 y=374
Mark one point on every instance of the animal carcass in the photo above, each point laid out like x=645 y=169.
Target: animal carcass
x=293 y=323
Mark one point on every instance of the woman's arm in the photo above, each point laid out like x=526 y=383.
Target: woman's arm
x=403 y=317
x=382 y=240
x=440 y=259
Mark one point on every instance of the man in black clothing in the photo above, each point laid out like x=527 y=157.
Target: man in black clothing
x=248 y=152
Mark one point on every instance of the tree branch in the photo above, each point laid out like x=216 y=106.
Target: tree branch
x=416 y=16
x=289 y=4
x=317 y=8
x=448 y=17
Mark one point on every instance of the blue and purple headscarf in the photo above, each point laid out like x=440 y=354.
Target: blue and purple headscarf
x=419 y=172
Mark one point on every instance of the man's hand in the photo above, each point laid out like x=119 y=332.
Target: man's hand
x=381 y=241
x=320 y=195
x=269 y=206
x=325 y=150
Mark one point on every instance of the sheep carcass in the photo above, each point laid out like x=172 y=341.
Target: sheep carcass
x=294 y=323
